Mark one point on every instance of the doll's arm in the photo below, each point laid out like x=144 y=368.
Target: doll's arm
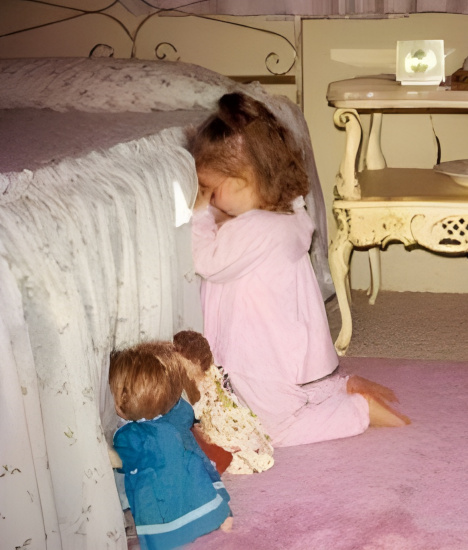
x=197 y=359
x=129 y=444
x=215 y=453
x=190 y=387
x=115 y=460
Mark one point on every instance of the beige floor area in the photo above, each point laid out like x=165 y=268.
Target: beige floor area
x=410 y=325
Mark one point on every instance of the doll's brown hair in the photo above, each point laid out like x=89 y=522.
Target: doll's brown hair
x=194 y=347
x=146 y=380
x=242 y=136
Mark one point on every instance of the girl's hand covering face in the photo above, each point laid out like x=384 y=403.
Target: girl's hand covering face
x=203 y=197
x=229 y=194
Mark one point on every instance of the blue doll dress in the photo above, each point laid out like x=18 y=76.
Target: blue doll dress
x=174 y=491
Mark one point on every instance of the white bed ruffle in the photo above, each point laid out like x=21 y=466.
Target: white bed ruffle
x=90 y=257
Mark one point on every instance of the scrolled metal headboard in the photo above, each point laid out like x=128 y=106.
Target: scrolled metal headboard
x=164 y=49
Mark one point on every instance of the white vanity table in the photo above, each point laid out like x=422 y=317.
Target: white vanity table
x=375 y=205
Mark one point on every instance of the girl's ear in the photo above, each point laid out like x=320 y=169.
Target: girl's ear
x=248 y=179
x=241 y=183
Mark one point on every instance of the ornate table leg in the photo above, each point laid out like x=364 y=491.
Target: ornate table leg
x=375 y=160
x=347 y=186
x=339 y=256
x=374 y=261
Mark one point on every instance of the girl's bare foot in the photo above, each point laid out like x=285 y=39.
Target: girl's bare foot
x=358 y=384
x=381 y=414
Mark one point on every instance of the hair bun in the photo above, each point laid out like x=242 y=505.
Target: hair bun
x=238 y=110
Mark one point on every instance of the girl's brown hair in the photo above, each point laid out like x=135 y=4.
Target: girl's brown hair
x=146 y=380
x=243 y=135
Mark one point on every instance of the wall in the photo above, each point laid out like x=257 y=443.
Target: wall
x=336 y=49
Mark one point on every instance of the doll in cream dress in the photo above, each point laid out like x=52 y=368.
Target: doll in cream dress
x=223 y=420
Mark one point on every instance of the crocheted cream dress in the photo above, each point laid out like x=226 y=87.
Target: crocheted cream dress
x=235 y=428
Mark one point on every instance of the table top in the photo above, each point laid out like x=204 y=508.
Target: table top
x=382 y=92
x=407 y=187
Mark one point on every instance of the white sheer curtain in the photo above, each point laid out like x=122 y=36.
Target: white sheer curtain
x=311 y=8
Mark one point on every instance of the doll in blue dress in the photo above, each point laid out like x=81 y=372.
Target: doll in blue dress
x=174 y=491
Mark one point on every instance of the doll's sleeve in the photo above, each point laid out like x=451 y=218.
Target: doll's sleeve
x=131 y=445
x=231 y=251
x=137 y=447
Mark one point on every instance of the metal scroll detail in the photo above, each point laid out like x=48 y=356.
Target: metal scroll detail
x=271 y=59
x=274 y=58
x=165 y=50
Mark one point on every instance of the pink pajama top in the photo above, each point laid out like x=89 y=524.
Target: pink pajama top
x=266 y=323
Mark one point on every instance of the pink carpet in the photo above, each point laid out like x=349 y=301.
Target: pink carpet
x=387 y=489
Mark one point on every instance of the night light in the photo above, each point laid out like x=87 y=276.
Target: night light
x=420 y=62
